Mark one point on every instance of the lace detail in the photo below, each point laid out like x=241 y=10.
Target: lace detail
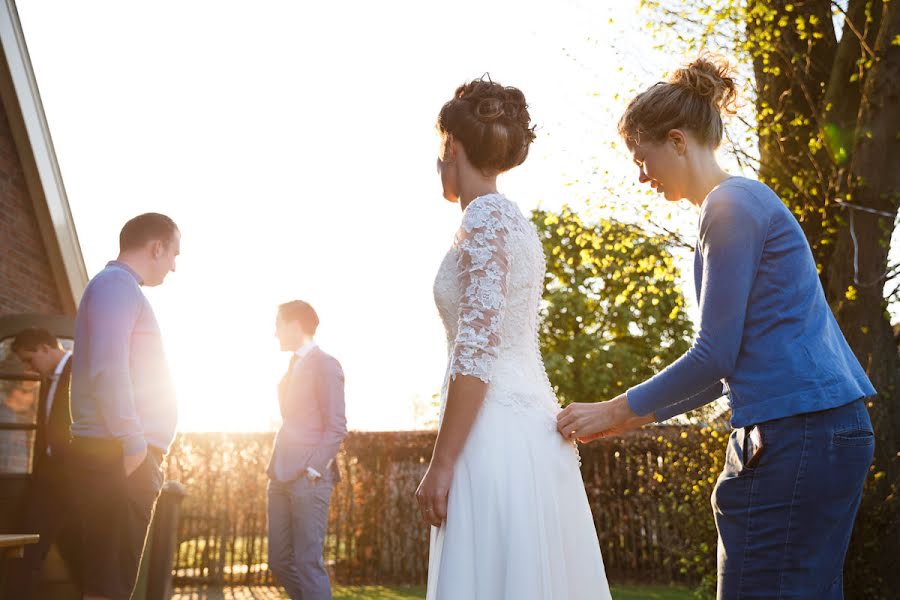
x=488 y=292
x=483 y=271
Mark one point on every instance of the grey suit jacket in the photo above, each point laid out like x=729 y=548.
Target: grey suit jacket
x=314 y=423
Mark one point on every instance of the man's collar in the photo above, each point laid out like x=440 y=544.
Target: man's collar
x=120 y=265
x=305 y=348
x=62 y=364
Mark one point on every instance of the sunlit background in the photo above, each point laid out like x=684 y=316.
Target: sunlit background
x=294 y=145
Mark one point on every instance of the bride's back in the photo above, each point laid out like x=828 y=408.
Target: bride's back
x=496 y=233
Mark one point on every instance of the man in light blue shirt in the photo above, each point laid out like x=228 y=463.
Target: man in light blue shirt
x=123 y=405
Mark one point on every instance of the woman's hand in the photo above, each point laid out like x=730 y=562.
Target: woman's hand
x=433 y=492
x=619 y=430
x=465 y=395
x=587 y=422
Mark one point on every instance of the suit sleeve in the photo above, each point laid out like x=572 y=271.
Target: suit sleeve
x=334 y=422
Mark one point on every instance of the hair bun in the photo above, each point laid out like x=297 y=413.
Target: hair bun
x=512 y=109
x=491 y=121
x=489 y=109
x=710 y=77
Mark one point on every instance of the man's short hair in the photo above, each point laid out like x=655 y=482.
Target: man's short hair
x=146 y=228
x=298 y=310
x=29 y=339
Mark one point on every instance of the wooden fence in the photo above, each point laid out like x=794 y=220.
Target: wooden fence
x=649 y=494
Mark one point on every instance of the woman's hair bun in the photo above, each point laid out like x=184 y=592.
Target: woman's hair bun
x=692 y=98
x=491 y=109
x=491 y=121
x=709 y=76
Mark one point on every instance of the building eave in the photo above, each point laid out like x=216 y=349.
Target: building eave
x=22 y=102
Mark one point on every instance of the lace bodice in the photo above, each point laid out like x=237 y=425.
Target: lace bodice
x=488 y=293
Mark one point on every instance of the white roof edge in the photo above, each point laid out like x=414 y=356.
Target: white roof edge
x=41 y=147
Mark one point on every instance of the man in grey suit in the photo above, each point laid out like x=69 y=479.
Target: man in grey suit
x=302 y=471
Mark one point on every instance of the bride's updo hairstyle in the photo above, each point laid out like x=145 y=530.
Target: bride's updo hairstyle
x=492 y=123
x=693 y=98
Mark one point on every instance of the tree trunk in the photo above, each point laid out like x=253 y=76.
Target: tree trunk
x=792 y=75
x=811 y=93
x=875 y=184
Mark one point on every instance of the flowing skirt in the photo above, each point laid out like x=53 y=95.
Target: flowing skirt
x=518 y=525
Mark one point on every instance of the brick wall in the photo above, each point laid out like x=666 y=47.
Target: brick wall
x=26 y=281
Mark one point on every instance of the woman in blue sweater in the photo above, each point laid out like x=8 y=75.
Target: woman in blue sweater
x=796 y=461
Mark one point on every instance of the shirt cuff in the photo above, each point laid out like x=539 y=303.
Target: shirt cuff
x=640 y=400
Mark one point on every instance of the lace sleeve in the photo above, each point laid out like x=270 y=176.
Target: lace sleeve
x=483 y=271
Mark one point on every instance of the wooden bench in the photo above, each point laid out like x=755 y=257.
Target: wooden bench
x=12 y=546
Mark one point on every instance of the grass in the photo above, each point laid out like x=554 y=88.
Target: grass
x=628 y=592
x=377 y=592
x=650 y=592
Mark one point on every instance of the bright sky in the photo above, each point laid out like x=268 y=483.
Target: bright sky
x=294 y=145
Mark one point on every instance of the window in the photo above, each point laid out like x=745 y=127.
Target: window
x=18 y=419
x=20 y=394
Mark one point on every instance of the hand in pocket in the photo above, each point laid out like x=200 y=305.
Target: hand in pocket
x=132 y=462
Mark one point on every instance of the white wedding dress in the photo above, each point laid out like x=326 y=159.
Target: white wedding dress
x=518 y=525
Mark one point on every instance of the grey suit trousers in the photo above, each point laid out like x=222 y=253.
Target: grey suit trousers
x=298 y=520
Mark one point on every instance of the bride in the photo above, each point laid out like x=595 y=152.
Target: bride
x=503 y=491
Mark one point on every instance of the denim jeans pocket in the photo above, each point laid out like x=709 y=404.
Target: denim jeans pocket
x=734 y=455
x=853 y=437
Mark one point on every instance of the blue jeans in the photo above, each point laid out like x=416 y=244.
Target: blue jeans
x=784 y=523
x=298 y=521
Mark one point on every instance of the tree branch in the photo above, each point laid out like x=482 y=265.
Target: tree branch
x=849 y=26
x=677 y=238
x=842 y=95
